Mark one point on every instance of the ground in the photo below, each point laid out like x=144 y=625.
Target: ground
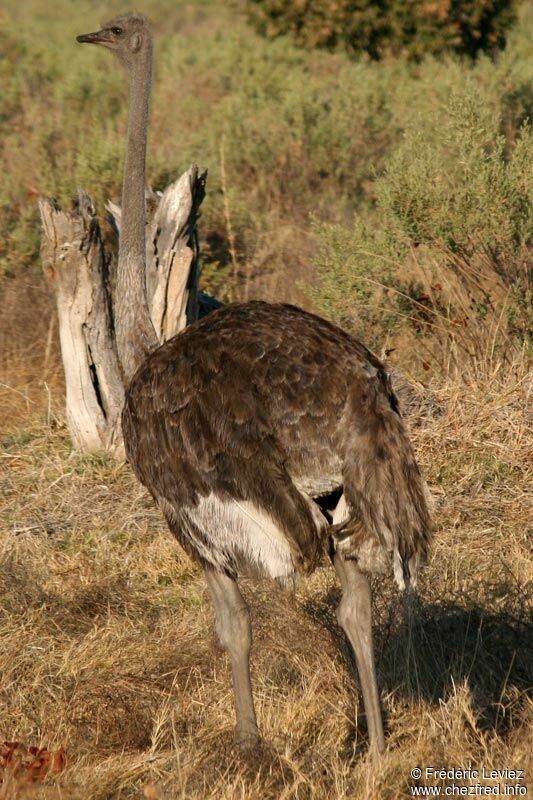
x=107 y=645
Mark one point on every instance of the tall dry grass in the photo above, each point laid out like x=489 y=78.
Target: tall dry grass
x=107 y=649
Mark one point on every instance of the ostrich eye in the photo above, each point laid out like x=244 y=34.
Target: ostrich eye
x=116 y=31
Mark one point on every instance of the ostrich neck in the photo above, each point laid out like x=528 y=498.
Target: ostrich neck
x=135 y=332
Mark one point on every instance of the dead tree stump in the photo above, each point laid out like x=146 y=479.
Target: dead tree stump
x=76 y=264
x=80 y=269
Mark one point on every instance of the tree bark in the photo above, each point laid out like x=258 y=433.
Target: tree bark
x=77 y=265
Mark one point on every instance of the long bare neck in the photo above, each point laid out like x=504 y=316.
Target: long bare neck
x=134 y=329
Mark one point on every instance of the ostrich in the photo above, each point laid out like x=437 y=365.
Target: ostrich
x=237 y=423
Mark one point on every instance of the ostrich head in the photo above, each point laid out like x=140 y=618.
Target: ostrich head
x=127 y=36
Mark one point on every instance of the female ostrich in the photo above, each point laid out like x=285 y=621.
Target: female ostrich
x=239 y=421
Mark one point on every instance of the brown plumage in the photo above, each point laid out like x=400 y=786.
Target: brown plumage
x=262 y=402
x=236 y=424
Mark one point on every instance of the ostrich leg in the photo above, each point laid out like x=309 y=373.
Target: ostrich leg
x=235 y=634
x=354 y=616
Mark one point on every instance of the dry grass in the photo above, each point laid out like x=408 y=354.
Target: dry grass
x=106 y=643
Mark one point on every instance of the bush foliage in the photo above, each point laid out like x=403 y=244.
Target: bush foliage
x=388 y=27
x=398 y=163
x=450 y=239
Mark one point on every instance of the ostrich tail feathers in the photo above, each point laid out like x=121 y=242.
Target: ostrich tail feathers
x=384 y=488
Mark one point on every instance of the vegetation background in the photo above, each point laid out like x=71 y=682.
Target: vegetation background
x=393 y=196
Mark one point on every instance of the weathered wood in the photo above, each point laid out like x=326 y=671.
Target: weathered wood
x=75 y=263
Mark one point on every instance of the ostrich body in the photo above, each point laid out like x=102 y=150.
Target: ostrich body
x=237 y=423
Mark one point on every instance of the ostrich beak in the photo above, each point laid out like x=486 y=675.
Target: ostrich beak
x=99 y=37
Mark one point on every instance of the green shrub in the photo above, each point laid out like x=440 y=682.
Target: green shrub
x=301 y=133
x=462 y=190
x=388 y=27
x=452 y=232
